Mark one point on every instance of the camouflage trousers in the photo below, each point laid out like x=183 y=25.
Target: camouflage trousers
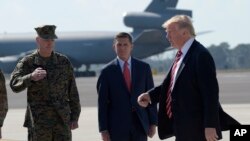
x=59 y=132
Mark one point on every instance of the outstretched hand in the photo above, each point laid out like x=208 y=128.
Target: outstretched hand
x=144 y=99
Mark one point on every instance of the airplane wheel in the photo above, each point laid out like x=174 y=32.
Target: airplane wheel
x=85 y=74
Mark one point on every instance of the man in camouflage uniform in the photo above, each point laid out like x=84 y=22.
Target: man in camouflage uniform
x=52 y=96
x=3 y=101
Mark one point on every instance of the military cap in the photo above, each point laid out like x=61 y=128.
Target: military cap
x=46 y=31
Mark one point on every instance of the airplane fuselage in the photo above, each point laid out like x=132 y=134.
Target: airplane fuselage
x=86 y=48
x=80 y=47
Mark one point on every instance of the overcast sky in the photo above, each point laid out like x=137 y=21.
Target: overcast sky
x=228 y=19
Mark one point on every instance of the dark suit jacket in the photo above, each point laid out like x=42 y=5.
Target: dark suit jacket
x=115 y=102
x=195 y=99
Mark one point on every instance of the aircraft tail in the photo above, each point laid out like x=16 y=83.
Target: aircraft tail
x=158 y=6
x=150 y=36
x=157 y=12
x=150 y=42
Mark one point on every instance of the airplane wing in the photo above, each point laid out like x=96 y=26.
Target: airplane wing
x=204 y=32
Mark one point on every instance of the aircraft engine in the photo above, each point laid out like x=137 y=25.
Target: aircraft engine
x=143 y=20
x=150 y=20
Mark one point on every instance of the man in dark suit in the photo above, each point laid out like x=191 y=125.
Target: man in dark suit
x=120 y=83
x=189 y=107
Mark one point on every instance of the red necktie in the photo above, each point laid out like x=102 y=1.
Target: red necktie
x=169 y=91
x=126 y=74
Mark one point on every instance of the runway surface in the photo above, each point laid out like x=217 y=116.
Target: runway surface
x=234 y=89
x=234 y=96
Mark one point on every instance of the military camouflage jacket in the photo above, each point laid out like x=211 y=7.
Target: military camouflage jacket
x=58 y=89
x=3 y=99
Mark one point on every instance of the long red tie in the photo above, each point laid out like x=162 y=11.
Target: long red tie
x=126 y=74
x=169 y=90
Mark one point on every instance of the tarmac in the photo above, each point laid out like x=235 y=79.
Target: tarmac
x=234 y=97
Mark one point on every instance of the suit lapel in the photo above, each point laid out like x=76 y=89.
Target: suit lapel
x=183 y=63
x=134 y=73
x=116 y=63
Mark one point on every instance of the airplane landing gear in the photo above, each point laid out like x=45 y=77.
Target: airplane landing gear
x=86 y=73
